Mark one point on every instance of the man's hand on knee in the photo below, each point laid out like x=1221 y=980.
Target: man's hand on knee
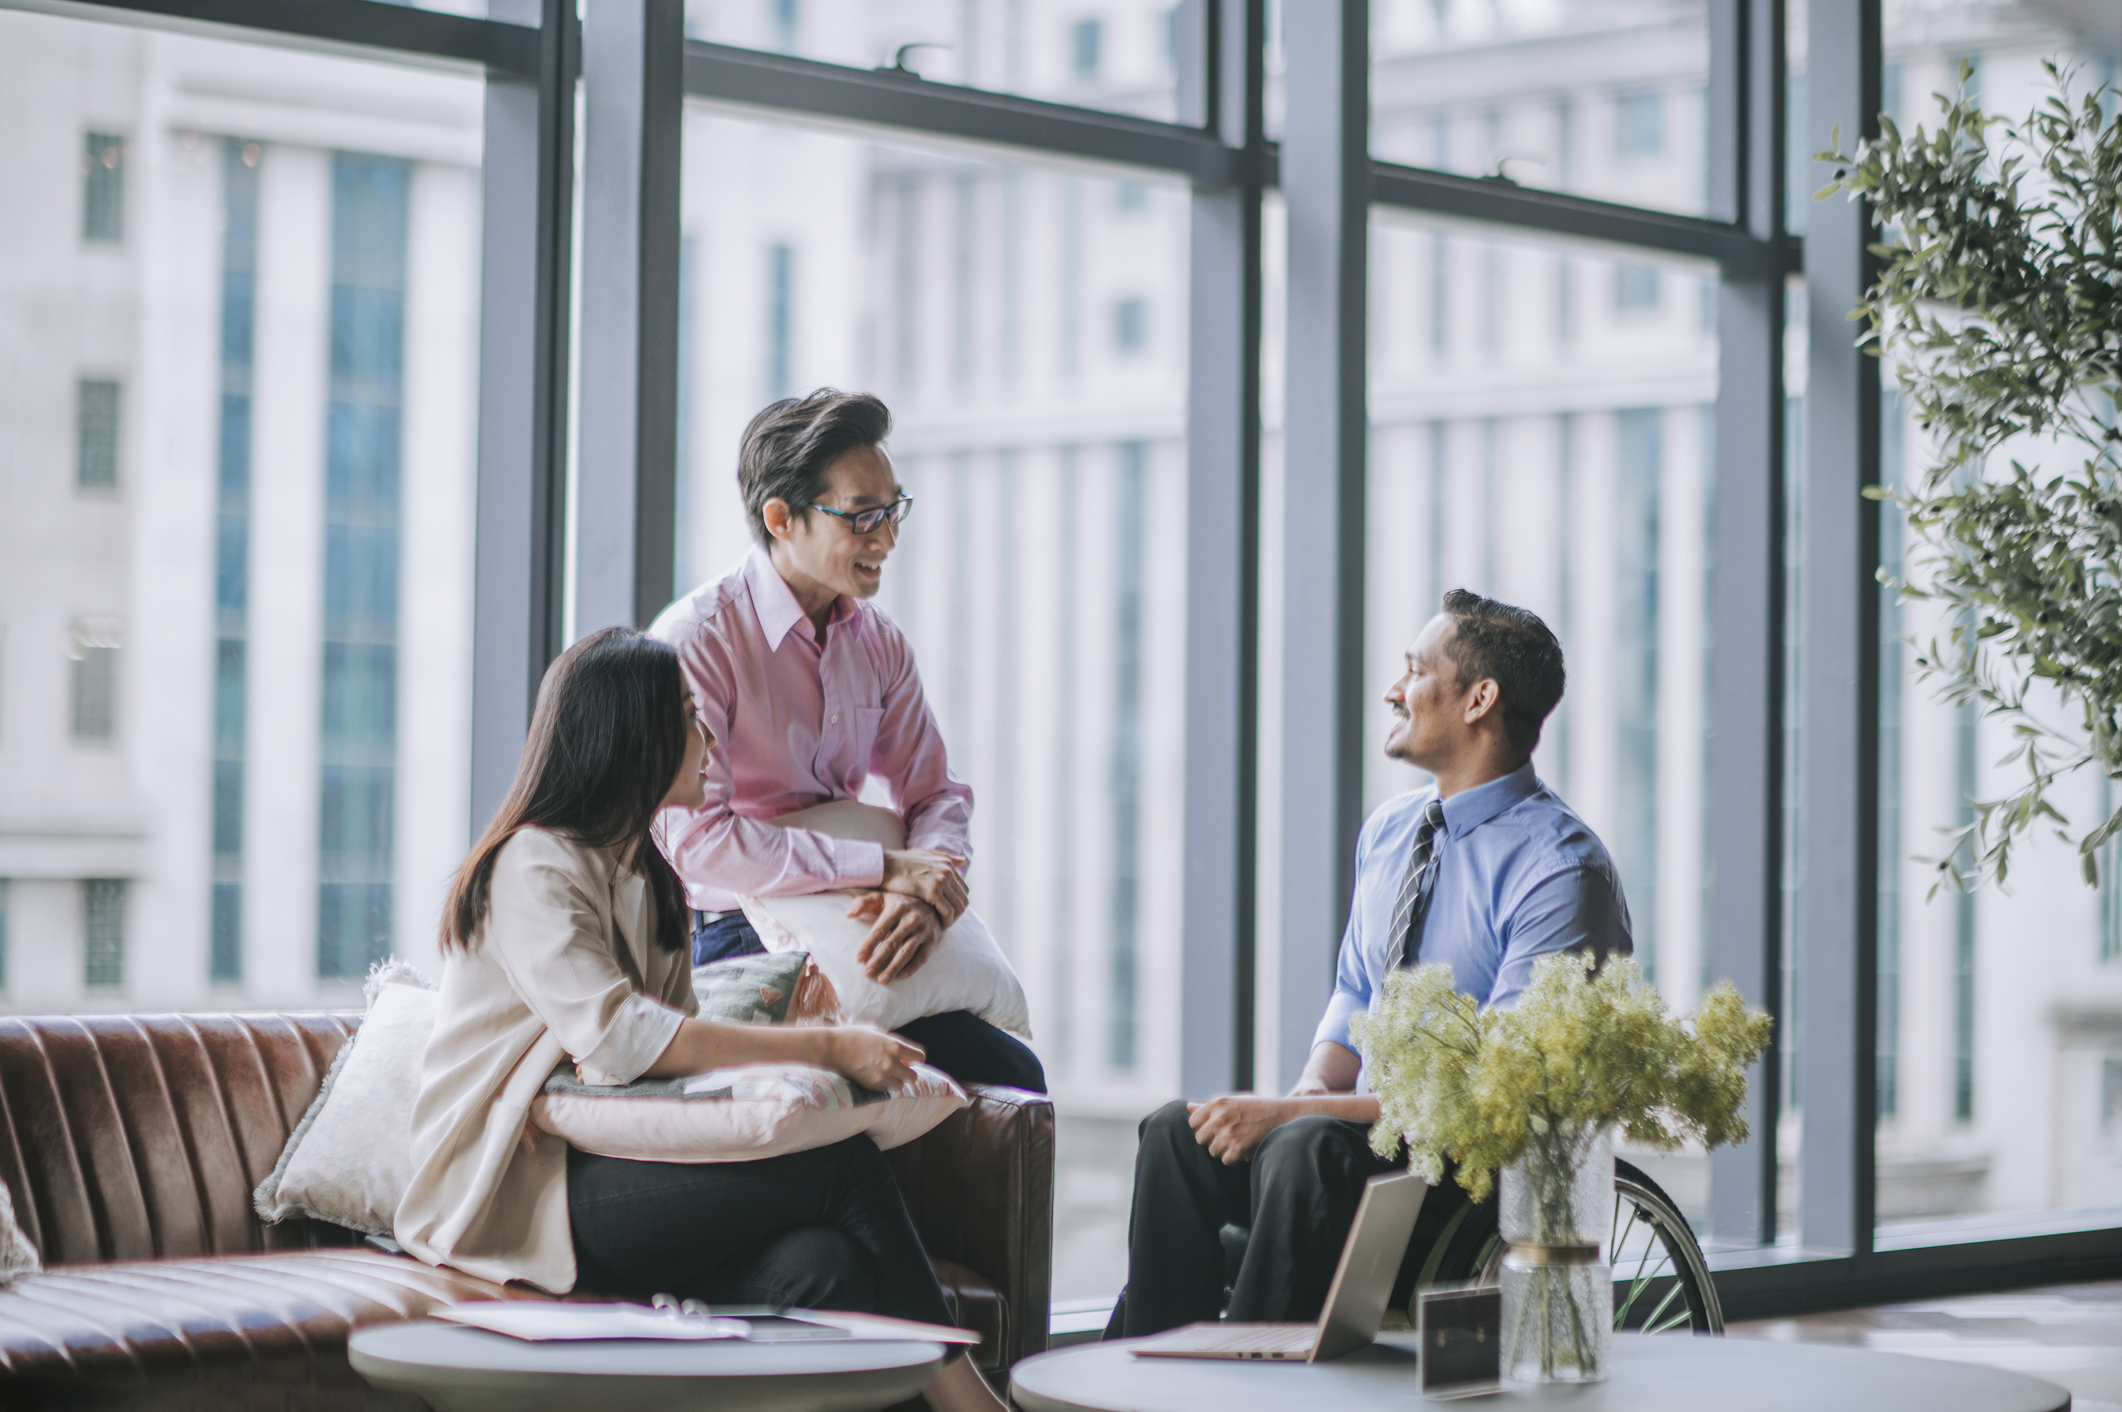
x=1231 y=1126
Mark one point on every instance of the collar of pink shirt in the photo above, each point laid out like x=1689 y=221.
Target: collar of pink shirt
x=775 y=603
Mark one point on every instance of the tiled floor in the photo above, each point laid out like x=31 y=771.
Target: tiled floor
x=2069 y=1334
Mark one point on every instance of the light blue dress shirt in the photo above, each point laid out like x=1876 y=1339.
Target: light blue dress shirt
x=1519 y=876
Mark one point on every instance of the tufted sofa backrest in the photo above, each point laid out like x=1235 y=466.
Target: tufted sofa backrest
x=141 y=1137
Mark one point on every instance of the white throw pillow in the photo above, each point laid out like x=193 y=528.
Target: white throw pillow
x=964 y=971
x=739 y=1114
x=350 y=1158
x=17 y=1256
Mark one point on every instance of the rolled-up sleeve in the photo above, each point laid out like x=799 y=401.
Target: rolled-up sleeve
x=1576 y=909
x=636 y=1037
x=550 y=941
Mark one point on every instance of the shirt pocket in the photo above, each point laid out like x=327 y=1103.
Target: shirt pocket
x=868 y=720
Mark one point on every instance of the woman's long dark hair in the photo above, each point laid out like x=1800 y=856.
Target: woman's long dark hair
x=606 y=740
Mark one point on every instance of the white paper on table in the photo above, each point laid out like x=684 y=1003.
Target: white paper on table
x=539 y=1319
x=878 y=1327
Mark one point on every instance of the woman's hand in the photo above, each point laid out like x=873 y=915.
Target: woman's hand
x=928 y=876
x=869 y=1056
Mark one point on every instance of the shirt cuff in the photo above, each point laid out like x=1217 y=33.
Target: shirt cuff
x=858 y=862
x=1334 y=1024
x=635 y=1039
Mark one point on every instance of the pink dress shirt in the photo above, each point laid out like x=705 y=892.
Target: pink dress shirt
x=799 y=724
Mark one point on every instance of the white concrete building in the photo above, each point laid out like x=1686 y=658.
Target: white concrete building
x=134 y=540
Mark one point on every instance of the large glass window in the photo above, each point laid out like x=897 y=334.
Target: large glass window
x=1117 y=55
x=2000 y=1010
x=1026 y=322
x=1606 y=100
x=1539 y=438
x=236 y=528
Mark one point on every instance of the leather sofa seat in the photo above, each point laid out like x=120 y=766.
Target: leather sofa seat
x=132 y=1145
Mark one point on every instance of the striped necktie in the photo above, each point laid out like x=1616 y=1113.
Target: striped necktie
x=1413 y=901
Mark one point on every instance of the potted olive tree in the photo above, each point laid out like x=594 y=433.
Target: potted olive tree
x=2000 y=303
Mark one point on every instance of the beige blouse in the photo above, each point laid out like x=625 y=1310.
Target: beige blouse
x=564 y=968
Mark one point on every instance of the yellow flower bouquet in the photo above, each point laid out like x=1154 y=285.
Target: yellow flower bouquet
x=1534 y=1091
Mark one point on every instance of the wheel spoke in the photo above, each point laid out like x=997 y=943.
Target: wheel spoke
x=1651 y=1324
x=1649 y=1245
x=1621 y=1313
x=1650 y=1241
x=1633 y=1213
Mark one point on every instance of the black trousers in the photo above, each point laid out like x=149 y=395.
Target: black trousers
x=958 y=1042
x=1298 y=1196
x=824 y=1229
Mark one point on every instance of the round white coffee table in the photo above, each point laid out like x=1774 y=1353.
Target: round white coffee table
x=1666 y=1373
x=460 y=1369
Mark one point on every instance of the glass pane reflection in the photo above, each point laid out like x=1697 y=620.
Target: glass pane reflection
x=1118 y=56
x=1605 y=100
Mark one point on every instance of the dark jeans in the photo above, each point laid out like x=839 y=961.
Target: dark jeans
x=958 y=1042
x=823 y=1229
x=1298 y=1196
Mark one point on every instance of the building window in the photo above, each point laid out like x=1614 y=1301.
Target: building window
x=1130 y=506
x=3 y=932
x=1887 y=1046
x=1131 y=325
x=103 y=931
x=2110 y=900
x=358 y=737
x=2110 y=859
x=780 y=318
x=1639 y=125
x=1439 y=294
x=2110 y=1091
x=1635 y=288
x=239 y=263
x=906 y=277
x=103 y=188
x=965 y=270
x=1966 y=765
x=1130 y=196
x=94 y=650
x=96 y=434
x=1085 y=39
x=1639 y=457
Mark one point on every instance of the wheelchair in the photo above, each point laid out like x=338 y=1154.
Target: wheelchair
x=1661 y=1282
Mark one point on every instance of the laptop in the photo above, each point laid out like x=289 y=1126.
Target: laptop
x=1363 y=1281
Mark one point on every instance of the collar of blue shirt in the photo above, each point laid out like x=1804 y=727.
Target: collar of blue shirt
x=1469 y=809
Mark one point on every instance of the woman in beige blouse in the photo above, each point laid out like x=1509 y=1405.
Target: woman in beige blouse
x=565 y=938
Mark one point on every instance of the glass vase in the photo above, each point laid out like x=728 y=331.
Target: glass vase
x=1558 y=1291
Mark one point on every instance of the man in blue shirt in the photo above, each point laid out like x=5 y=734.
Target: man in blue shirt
x=1485 y=872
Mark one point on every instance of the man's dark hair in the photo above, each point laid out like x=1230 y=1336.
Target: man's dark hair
x=789 y=445
x=1512 y=647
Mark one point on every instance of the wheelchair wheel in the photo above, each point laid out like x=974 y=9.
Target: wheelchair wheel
x=1661 y=1282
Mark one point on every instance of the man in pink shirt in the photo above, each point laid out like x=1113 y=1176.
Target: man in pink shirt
x=811 y=689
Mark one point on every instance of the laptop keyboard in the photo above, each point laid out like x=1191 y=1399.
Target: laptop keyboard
x=1282 y=1340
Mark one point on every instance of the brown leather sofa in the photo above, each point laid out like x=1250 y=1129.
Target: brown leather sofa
x=132 y=1143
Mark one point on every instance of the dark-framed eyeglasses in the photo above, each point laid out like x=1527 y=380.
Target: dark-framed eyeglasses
x=868 y=521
